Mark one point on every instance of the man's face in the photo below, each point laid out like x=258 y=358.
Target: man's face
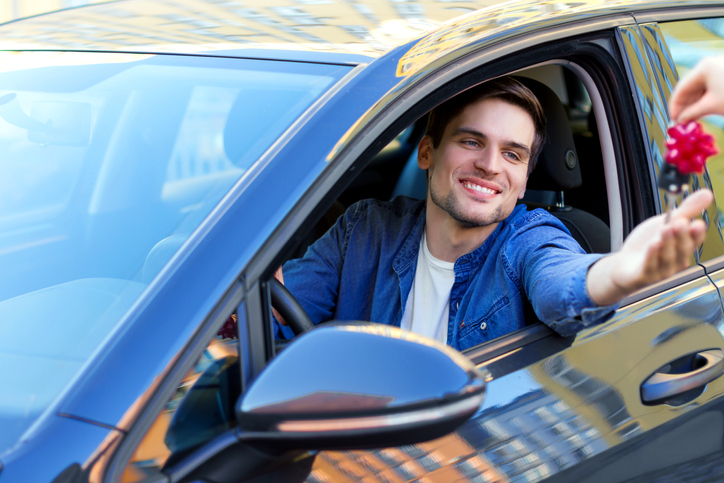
x=480 y=168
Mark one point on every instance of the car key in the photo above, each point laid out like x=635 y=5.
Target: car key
x=687 y=148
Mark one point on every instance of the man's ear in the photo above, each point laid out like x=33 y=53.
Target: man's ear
x=424 y=152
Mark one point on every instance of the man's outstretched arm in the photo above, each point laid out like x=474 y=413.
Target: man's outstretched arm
x=652 y=252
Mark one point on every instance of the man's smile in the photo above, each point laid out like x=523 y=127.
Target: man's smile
x=480 y=187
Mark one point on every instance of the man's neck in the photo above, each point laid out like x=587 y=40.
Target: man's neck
x=447 y=240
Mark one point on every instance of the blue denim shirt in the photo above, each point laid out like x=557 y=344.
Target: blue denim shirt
x=363 y=268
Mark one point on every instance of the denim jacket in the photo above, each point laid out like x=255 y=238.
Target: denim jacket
x=363 y=268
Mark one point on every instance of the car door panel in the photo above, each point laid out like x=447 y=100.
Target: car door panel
x=575 y=405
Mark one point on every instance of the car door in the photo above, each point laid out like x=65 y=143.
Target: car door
x=580 y=408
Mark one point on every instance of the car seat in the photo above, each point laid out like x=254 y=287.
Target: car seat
x=559 y=170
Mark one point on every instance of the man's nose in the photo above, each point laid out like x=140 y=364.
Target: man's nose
x=488 y=160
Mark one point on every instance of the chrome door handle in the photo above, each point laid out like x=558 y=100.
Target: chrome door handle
x=662 y=385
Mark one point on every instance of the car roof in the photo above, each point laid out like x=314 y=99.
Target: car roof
x=311 y=30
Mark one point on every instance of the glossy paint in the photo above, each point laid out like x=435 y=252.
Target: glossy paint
x=332 y=353
x=570 y=408
x=539 y=421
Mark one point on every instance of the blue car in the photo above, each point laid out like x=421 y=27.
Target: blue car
x=160 y=160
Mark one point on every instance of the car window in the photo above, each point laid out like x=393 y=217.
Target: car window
x=689 y=41
x=201 y=407
x=109 y=162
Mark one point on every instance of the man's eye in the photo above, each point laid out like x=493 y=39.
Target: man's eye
x=471 y=142
x=512 y=155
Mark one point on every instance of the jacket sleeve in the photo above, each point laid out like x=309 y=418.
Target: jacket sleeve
x=553 y=269
x=314 y=278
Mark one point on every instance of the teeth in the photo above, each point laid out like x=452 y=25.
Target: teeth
x=476 y=187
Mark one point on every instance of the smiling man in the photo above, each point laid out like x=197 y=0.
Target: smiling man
x=468 y=264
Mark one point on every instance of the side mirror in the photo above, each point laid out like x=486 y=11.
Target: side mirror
x=359 y=386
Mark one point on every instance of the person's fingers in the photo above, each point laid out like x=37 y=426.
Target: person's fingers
x=279 y=317
x=703 y=106
x=652 y=264
x=694 y=204
x=684 y=244
x=689 y=90
x=681 y=107
x=697 y=231
x=668 y=256
x=279 y=275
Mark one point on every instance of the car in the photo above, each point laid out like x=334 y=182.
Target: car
x=161 y=159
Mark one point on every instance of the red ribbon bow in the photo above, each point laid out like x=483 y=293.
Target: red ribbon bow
x=688 y=147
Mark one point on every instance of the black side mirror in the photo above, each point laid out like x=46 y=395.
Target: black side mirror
x=359 y=386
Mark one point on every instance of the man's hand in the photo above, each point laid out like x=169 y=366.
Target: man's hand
x=700 y=92
x=654 y=250
x=279 y=276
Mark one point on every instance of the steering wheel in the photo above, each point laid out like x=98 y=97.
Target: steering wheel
x=288 y=307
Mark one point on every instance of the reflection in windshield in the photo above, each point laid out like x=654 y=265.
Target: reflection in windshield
x=106 y=169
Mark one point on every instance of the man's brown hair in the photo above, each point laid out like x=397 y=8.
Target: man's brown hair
x=505 y=88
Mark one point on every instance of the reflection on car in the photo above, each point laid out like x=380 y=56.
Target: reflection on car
x=159 y=162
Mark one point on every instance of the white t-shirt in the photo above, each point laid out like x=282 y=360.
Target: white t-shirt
x=428 y=303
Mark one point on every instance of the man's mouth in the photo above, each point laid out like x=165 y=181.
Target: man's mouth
x=479 y=188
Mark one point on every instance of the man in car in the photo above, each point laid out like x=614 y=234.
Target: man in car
x=468 y=264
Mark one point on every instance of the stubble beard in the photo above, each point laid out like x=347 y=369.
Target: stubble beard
x=452 y=206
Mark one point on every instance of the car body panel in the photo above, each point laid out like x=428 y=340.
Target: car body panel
x=545 y=414
x=44 y=459
x=570 y=407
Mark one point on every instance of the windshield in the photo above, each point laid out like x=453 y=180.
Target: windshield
x=108 y=162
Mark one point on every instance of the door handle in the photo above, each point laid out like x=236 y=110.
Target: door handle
x=706 y=366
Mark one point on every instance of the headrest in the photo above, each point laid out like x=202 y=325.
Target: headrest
x=557 y=168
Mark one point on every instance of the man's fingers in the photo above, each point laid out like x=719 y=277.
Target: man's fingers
x=697 y=231
x=668 y=254
x=684 y=244
x=694 y=204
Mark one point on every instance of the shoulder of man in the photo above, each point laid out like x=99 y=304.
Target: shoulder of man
x=521 y=219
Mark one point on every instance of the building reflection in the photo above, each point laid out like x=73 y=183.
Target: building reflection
x=534 y=436
x=200 y=25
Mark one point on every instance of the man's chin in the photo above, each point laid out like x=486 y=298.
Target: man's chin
x=469 y=216
x=469 y=220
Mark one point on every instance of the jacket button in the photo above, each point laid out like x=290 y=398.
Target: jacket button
x=483 y=326
x=457 y=305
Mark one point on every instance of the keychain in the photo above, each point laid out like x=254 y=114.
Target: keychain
x=687 y=149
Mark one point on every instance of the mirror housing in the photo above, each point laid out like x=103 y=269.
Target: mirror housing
x=359 y=386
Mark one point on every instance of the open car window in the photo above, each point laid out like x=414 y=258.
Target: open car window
x=571 y=185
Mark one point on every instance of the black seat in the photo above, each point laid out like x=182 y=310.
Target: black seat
x=558 y=170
